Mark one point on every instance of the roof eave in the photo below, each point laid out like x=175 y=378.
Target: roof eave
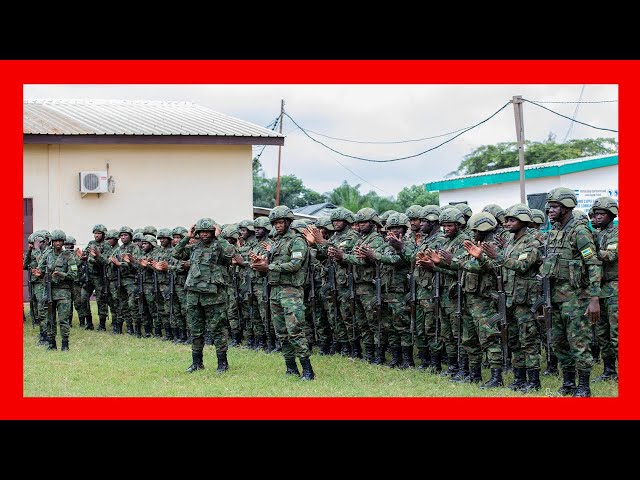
x=92 y=139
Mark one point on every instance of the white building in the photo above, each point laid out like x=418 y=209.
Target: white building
x=590 y=177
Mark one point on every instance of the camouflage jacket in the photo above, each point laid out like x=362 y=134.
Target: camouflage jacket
x=449 y=272
x=31 y=260
x=607 y=244
x=396 y=265
x=520 y=261
x=128 y=271
x=364 y=271
x=478 y=274
x=345 y=241
x=63 y=262
x=424 y=277
x=207 y=264
x=94 y=265
x=288 y=259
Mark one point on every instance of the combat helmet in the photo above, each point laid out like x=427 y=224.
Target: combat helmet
x=99 y=228
x=368 y=214
x=262 y=222
x=564 y=196
x=452 y=215
x=398 y=220
x=464 y=208
x=58 y=235
x=281 y=212
x=179 y=231
x=606 y=203
x=384 y=215
x=125 y=229
x=519 y=211
x=413 y=211
x=299 y=225
x=325 y=222
x=137 y=237
x=138 y=230
x=483 y=222
x=430 y=212
x=537 y=216
x=111 y=234
x=496 y=211
x=205 y=224
x=344 y=214
x=164 y=233
x=70 y=240
x=151 y=239
x=248 y=224
x=231 y=231
x=150 y=230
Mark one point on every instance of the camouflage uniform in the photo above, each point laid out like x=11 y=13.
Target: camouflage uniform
x=575 y=273
x=164 y=254
x=128 y=295
x=63 y=262
x=76 y=289
x=112 y=282
x=31 y=259
x=254 y=331
x=179 y=295
x=95 y=282
x=206 y=292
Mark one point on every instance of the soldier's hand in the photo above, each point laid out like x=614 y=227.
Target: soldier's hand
x=237 y=259
x=56 y=274
x=336 y=254
x=501 y=241
x=445 y=256
x=240 y=241
x=79 y=252
x=185 y=264
x=490 y=249
x=36 y=271
x=266 y=246
x=260 y=265
x=143 y=262
x=394 y=241
x=115 y=261
x=309 y=236
x=192 y=231
x=593 y=310
x=192 y=241
x=473 y=249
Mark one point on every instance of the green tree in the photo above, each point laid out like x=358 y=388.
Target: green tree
x=416 y=195
x=505 y=154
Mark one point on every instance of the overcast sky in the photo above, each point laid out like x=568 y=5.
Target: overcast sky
x=378 y=113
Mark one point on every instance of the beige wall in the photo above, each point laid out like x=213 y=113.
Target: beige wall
x=160 y=185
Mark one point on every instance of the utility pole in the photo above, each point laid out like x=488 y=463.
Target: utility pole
x=279 y=155
x=517 y=109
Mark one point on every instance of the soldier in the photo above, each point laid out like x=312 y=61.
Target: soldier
x=501 y=233
x=76 y=289
x=160 y=260
x=385 y=215
x=364 y=272
x=60 y=268
x=31 y=259
x=150 y=286
x=430 y=348
x=206 y=289
x=340 y=316
x=467 y=212
x=575 y=272
x=286 y=265
x=122 y=258
x=254 y=328
x=520 y=262
x=95 y=278
x=414 y=235
x=322 y=304
x=111 y=238
x=150 y=230
x=309 y=327
x=605 y=210
x=231 y=234
x=177 y=267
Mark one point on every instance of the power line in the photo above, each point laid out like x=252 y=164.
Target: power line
x=569 y=118
x=399 y=158
x=600 y=101
x=389 y=142
x=575 y=114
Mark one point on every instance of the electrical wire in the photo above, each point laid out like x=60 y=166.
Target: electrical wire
x=389 y=142
x=399 y=158
x=579 y=101
x=575 y=114
x=569 y=118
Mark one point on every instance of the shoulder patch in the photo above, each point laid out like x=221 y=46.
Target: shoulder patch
x=586 y=253
x=523 y=256
x=612 y=246
x=73 y=267
x=296 y=255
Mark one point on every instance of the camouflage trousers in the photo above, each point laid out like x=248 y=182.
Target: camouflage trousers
x=479 y=334
x=155 y=304
x=129 y=302
x=40 y=313
x=233 y=316
x=178 y=318
x=449 y=328
x=61 y=312
x=96 y=283
x=76 y=301
x=571 y=333
x=256 y=310
x=397 y=320
x=339 y=316
x=320 y=326
x=208 y=312
x=114 y=303
x=287 y=314
x=607 y=327
x=426 y=327
x=524 y=337
x=366 y=314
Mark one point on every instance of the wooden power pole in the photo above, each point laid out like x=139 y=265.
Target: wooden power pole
x=517 y=109
x=279 y=155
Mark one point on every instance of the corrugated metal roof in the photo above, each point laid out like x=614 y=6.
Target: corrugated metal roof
x=317 y=210
x=132 y=117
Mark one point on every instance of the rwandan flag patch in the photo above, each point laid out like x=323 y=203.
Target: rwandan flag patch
x=587 y=253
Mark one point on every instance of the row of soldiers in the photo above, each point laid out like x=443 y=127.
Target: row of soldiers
x=390 y=282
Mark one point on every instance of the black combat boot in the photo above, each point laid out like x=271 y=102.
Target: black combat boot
x=534 y=380
x=424 y=357
x=223 y=364
x=379 y=356
x=251 y=342
x=82 y=321
x=396 y=357
x=260 y=341
x=452 y=369
x=129 y=328
x=147 y=330
x=157 y=331
x=568 y=381
x=609 y=370
x=407 y=357
x=335 y=348
x=176 y=335
x=435 y=366
x=292 y=367
x=325 y=349
x=552 y=366
x=89 y=325
x=495 y=380
x=44 y=339
x=65 y=344
x=138 y=330
x=168 y=334
x=475 y=374
x=369 y=352
x=185 y=336
x=345 y=351
x=102 y=326
x=234 y=338
x=519 y=379
x=307 y=371
x=595 y=351
x=356 y=350
x=114 y=326
x=196 y=363
x=52 y=344
x=583 y=389
x=270 y=344
x=238 y=339
x=463 y=374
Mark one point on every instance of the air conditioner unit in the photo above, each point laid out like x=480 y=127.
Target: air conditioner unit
x=94 y=182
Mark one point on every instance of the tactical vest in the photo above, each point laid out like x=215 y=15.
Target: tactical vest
x=424 y=277
x=609 y=268
x=95 y=268
x=59 y=263
x=281 y=253
x=452 y=246
x=132 y=248
x=366 y=273
x=564 y=262
x=206 y=273
x=341 y=240
x=521 y=287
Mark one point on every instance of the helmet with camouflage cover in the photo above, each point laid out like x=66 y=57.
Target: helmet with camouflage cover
x=111 y=234
x=368 y=214
x=99 y=228
x=151 y=239
x=537 y=216
x=430 y=212
x=231 y=231
x=138 y=237
x=299 y=225
x=564 y=196
x=281 y=212
x=205 y=224
x=519 y=211
x=70 y=240
x=606 y=203
x=384 y=215
x=58 y=235
x=262 y=222
x=179 y=231
x=325 y=222
x=30 y=237
x=138 y=230
x=344 y=214
x=496 y=211
x=579 y=214
x=398 y=220
x=126 y=229
x=464 y=208
x=248 y=224
x=41 y=235
x=452 y=215
x=150 y=230
x=483 y=222
x=164 y=233
x=413 y=211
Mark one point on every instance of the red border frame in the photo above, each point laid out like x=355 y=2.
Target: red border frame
x=18 y=72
